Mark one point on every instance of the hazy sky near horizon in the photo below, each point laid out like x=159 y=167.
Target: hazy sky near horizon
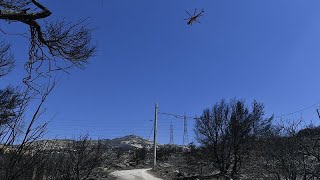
x=267 y=50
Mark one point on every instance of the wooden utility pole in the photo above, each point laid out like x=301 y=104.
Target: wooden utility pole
x=318 y=113
x=34 y=174
x=35 y=168
x=155 y=136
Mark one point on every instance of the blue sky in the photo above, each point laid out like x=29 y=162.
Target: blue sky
x=265 y=50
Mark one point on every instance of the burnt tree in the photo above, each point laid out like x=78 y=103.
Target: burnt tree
x=226 y=131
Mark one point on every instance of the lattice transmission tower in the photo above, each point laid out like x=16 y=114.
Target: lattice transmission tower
x=185 y=131
x=171 y=134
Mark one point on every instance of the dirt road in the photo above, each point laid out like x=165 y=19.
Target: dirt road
x=135 y=174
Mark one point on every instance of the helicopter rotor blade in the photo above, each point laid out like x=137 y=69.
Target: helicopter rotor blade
x=188 y=13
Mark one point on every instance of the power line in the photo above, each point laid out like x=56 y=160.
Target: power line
x=179 y=116
x=283 y=115
x=297 y=111
x=174 y=115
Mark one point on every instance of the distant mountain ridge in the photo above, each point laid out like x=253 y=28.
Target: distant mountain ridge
x=132 y=141
x=126 y=142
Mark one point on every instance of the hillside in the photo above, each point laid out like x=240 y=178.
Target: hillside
x=128 y=142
